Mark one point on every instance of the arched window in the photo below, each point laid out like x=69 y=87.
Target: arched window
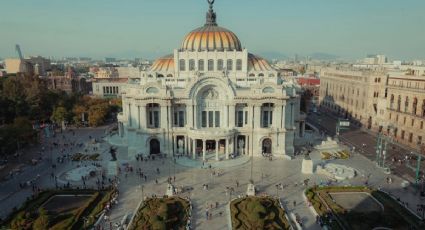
x=399 y=103
x=169 y=75
x=406 y=104
x=252 y=75
x=160 y=76
x=239 y=64
x=392 y=101
x=415 y=105
x=220 y=64
x=261 y=75
x=201 y=65
x=182 y=65
x=210 y=65
x=423 y=108
x=271 y=75
x=229 y=65
x=191 y=65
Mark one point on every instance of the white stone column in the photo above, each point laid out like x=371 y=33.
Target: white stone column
x=276 y=113
x=186 y=152
x=138 y=117
x=194 y=148
x=204 y=149
x=216 y=149
x=227 y=148
x=257 y=115
x=231 y=116
x=143 y=116
x=170 y=116
x=163 y=115
x=189 y=115
x=225 y=118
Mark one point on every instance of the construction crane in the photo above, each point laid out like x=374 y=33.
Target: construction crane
x=18 y=50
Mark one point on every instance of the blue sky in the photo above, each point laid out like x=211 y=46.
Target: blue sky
x=151 y=28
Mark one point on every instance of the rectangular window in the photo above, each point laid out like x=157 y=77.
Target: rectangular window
x=265 y=119
x=422 y=124
x=229 y=65
x=419 y=140
x=191 y=64
x=150 y=118
x=220 y=65
x=210 y=65
x=156 y=119
x=210 y=118
x=402 y=134
x=240 y=119
x=182 y=65
x=271 y=117
x=404 y=121
x=175 y=118
x=201 y=65
x=217 y=118
x=181 y=118
x=413 y=122
x=239 y=64
x=246 y=117
x=204 y=119
x=410 y=137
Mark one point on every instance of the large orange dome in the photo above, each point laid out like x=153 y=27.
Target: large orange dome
x=211 y=37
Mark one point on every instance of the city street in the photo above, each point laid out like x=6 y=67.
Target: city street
x=11 y=195
x=365 y=143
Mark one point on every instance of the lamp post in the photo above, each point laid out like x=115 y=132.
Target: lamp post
x=277 y=190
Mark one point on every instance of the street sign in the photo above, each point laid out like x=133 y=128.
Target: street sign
x=344 y=123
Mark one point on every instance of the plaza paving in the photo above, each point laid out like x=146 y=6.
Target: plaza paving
x=266 y=175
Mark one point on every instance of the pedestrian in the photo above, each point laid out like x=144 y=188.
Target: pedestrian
x=295 y=203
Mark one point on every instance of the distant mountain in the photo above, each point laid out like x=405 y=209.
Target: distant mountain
x=272 y=55
x=323 y=56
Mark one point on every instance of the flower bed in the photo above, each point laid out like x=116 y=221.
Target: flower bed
x=394 y=215
x=258 y=213
x=162 y=213
x=85 y=157
x=54 y=209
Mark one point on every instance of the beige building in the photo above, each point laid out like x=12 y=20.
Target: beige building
x=108 y=87
x=391 y=102
x=405 y=103
x=16 y=65
x=353 y=94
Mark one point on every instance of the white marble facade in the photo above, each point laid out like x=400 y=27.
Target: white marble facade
x=210 y=99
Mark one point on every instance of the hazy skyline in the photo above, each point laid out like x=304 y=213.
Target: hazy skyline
x=152 y=28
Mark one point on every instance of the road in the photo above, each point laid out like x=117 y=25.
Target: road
x=365 y=143
x=10 y=192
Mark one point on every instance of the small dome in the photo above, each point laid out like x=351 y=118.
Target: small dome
x=164 y=64
x=211 y=38
x=256 y=63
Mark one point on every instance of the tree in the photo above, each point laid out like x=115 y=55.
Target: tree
x=97 y=114
x=79 y=111
x=42 y=221
x=59 y=114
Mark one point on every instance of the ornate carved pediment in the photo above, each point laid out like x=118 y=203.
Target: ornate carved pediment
x=210 y=94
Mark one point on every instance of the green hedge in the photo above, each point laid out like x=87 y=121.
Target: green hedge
x=25 y=216
x=162 y=213
x=394 y=215
x=258 y=213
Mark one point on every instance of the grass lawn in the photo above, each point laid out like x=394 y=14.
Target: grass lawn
x=258 y=213
x=360 y=208
x=60 y=209
x=162 y=213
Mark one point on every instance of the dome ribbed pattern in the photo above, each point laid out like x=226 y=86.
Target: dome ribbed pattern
x=164 y=64
x=256 y=63
x=211 y=38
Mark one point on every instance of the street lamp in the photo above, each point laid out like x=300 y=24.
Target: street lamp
x=277 y=190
